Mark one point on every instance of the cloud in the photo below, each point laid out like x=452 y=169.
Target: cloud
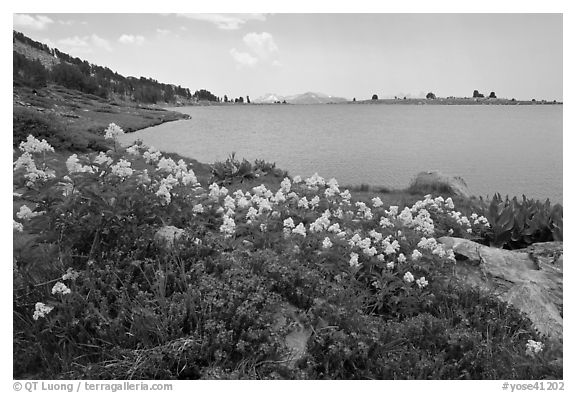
x=226 y=21
x=38 y=22
x=83 y=44
x=131 y=39
x=261 y=49
x=261 y=44
x=163 y=31
x=243 y=58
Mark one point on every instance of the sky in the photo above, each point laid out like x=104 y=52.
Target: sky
x=347 y=55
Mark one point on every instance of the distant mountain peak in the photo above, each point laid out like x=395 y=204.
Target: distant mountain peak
x=309 y=97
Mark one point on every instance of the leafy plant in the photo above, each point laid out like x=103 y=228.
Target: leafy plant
x=515 y=224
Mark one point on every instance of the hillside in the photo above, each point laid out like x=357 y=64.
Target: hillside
x=70 y=102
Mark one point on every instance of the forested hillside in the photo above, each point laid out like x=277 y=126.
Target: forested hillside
x=36 y=65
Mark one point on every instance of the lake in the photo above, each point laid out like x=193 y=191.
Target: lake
x=512 y=150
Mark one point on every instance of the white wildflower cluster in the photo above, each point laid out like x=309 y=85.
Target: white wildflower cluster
x=285 y=185
x=354 y=260
x=73 y=165
x=41 y=310
x=332 y=189
x=408 y=277
x=152 y=155
x=166 y=185
x=327 y=243
x=60 y=288
x=216 y=191
x=18 y=227
x=479 y=220
x=102 y=158
x=70 y=274
x=436 y=248
x=228 y=227
x=421 y=282
x=315 y=181
x=364 y=211
x=113 y=131
x=25 y=213
x=134 y=150
x=300 y=230
x=322 y=223
x=33 y=174
x=533 y=347
x=377 y=202
x=33 y=145
x=122 y=169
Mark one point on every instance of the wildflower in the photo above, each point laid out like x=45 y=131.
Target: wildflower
x=390 y=265
x=377 y=236
x=314 y=202
x=60 y=288
x=408 y=277
x=300 y=230
x=70 y=274
x=533 y=347
x=385 y=222
x=198 y=208
x=285 y=185
x=41 y=310
x=73 y=165
x=416 y=255
x=18 y=227
x=354 y=260
x=102 y=158
x=303 y=203
x=289 y=223
x=26 y=214
x=33 y=145
x=252 y=213
x=229 y=202
x=188 y=178
x=228 y=227
x=263 y=227
x=314 y=181
x=133 y=150
x=113 y=131
x=151 y=155
x=377 y=202
x=296 y=179
x=167 y=165
x=334 y=228
x=380 y=257
x=449 y=203
x=326 y=243
x=421 y=282
x=122 y=168
x=392 y=212
x=401 y=258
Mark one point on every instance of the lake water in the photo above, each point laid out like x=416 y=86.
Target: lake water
x=513 y=150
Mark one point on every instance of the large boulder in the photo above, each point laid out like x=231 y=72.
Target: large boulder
x=436 y=181
x=529 y=279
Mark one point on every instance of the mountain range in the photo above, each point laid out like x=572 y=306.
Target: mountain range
x=304 y=98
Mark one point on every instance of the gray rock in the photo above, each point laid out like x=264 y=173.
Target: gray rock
x=166 y=236
x=436 y=180
x=297 y=339
x=530 y=279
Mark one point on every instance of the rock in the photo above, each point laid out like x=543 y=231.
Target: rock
x=437 y=181
x=297 y=339
x=166 y=236
x=529 y=279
